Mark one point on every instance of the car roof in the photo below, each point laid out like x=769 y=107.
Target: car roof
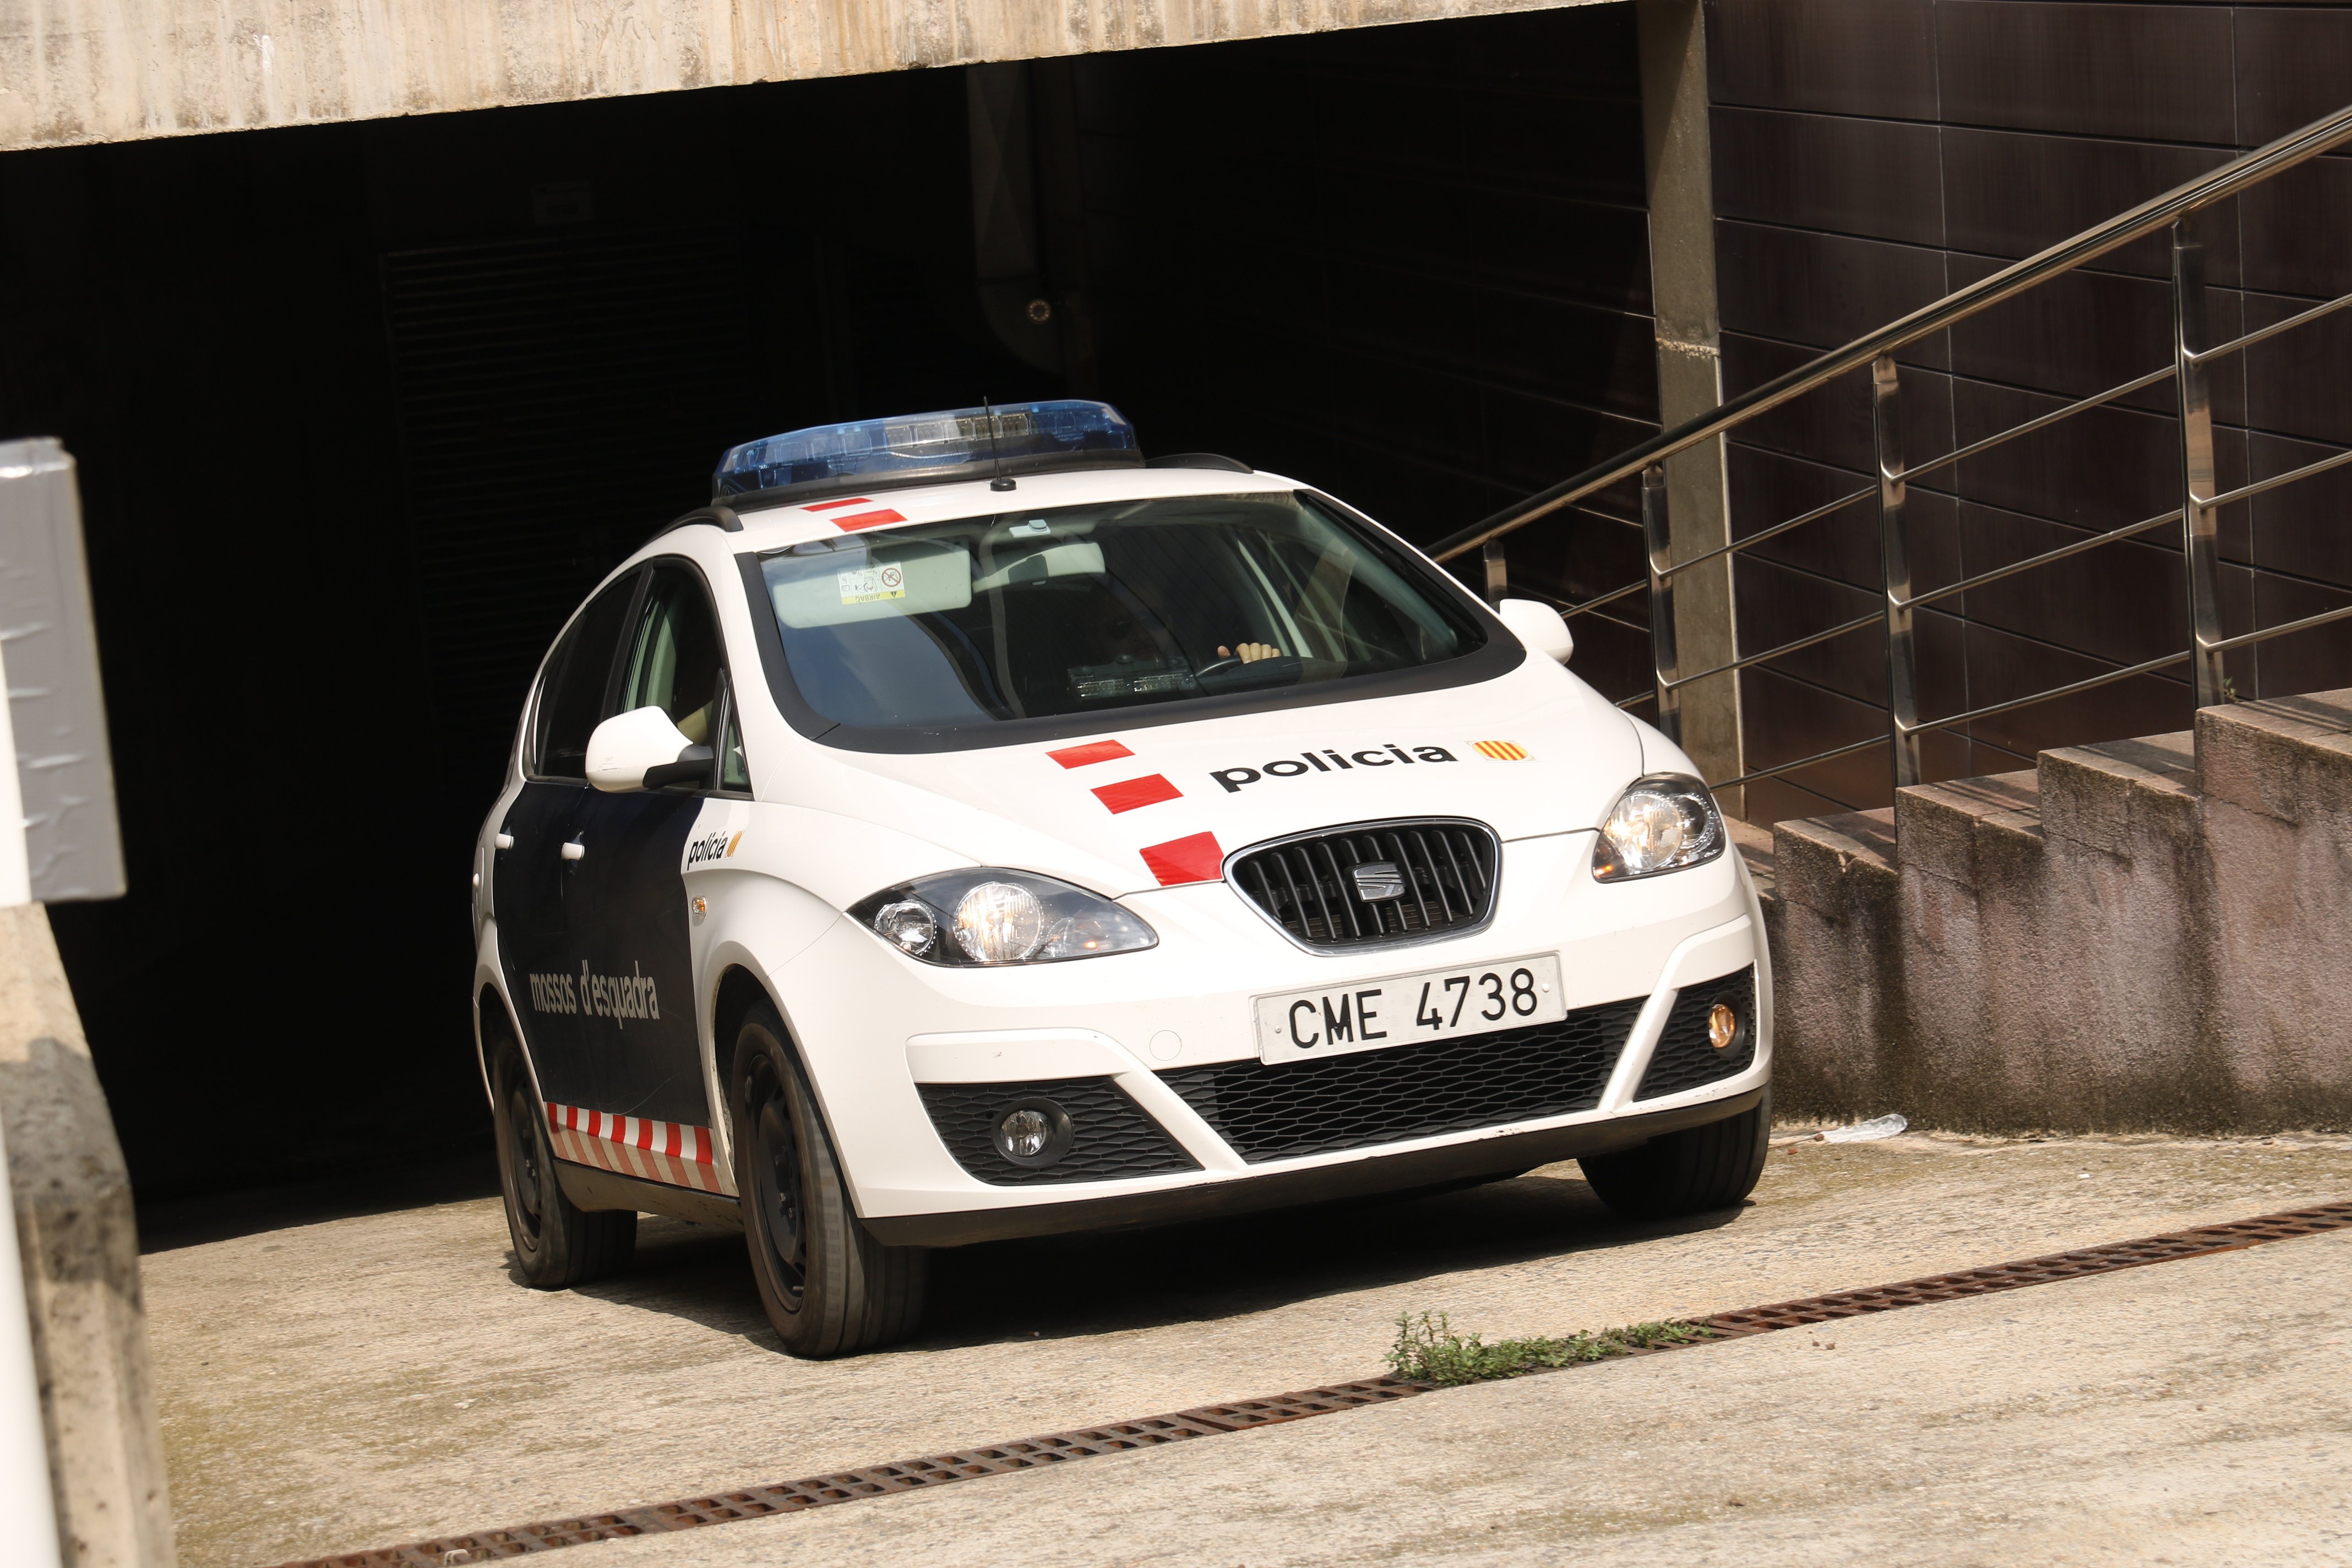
x=829 y=517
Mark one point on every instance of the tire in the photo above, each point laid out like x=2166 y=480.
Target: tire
x=1700 y=1168
x=556 y=1244
x=829 y=1287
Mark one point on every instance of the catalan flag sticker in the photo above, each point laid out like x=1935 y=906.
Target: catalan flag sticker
x=1503 y=750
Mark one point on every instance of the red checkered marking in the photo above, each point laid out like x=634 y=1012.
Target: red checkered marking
x=852 y=522
x=665 y=1151
x=837 y=505
x=1130 y=793
x=1092 y=752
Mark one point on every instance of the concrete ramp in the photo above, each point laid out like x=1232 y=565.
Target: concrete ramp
x=2144 y=936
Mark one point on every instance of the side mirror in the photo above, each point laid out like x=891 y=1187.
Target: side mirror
x=1537 y=625
x=643 y=750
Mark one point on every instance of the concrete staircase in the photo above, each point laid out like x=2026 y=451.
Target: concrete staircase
x=2146 y=935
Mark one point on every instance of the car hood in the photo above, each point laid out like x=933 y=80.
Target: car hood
x=1533 y=752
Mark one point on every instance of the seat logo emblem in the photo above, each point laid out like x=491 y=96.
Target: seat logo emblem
x=1377 y=881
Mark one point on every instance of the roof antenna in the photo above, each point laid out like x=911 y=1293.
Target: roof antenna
x=995 y=455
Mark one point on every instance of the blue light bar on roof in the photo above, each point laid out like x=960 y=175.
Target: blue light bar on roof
x=925 y=448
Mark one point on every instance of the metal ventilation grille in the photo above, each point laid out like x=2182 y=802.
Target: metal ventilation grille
x=1371 y=1098
x=1112 y=1138
x=1686 y=1057
x=1310 y=886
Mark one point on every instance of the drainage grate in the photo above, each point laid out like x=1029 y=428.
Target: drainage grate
x=1208 y=1420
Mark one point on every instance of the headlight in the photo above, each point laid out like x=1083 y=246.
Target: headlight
x=1662 y=822
x=986 y=916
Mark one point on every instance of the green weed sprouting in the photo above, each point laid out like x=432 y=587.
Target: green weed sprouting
x=1427 y=1350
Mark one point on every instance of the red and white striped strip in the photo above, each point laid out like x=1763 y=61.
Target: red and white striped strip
x=650 y=1151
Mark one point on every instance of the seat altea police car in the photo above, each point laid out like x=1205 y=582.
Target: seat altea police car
x=964 y=829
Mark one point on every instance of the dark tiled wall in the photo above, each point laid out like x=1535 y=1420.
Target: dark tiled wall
x=1871 y=156
x=1409 y=264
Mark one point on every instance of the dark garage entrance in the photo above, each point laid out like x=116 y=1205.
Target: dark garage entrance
x=363 y=411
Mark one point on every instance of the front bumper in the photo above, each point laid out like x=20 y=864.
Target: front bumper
x=881 y=1035
x=1390 y=1173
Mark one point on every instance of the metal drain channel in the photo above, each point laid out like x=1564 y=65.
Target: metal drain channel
x=1208 y=1420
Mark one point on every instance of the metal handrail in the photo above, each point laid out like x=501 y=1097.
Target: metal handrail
x=1957 y=306
x=2199 y=505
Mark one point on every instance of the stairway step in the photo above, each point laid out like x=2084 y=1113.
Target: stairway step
x=1949 y=828
x=2286 y=757
x=2103 y=796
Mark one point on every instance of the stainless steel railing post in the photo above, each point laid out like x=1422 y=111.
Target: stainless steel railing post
x=1499 y=570
x=1902 y=655
x=1657 y=537
x=2197 y=488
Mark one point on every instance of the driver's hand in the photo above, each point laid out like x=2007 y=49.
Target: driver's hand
x=1251 y=652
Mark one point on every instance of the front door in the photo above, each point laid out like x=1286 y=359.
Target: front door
x=627 y=925
x=535 y=881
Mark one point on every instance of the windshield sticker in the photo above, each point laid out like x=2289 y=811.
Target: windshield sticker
x=1092 y=752
x=1503 y=750
x=1130 y=793
x=1232 y=779
x=868 y=583
x=1193 y=860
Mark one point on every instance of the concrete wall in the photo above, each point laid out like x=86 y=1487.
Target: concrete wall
x=110 y=71
x=2142 y=935
x=79 y=1244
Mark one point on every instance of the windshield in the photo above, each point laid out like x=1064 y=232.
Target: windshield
x=1075 y=611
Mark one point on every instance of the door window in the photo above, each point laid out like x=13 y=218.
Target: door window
x=674 y=665
x=571 y=704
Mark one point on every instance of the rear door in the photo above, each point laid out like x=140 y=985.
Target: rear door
x=627 y=909
x=533 y=881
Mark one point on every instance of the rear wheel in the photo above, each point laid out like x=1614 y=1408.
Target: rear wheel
x=1712 y=1166
x=556 y=1243
x=829 y=1287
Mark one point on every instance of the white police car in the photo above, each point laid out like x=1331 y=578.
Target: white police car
x=964 y=829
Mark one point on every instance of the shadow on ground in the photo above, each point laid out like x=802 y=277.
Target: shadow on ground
x=1072 y=1286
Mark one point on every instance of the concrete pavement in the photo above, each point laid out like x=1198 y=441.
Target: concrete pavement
x=353 y=1382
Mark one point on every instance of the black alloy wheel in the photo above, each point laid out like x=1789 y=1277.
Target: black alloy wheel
x=776 y=1181
x=556 y=1243
x=828 y=1286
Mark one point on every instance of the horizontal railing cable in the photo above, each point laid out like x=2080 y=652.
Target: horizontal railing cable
x=2040 y=422
x=2106 y=679
x=2266 y=633
x=2221 y=350
x=2146 y=525
x=1871 y=619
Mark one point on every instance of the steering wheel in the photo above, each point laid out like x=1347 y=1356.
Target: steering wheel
x=1220 y=664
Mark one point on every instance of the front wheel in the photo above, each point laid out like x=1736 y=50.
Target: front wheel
x=829 y=1287
x=1700 y=1168
x=556 y=1243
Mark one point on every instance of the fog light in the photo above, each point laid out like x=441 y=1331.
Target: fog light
x=1032 y=1132
x=1722 y=1026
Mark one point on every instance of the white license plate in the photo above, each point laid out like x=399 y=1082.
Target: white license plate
x=1436 y=1004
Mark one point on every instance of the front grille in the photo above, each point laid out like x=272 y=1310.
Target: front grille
x=1446 y=868
x=1111 y=1138
x=1684 y=1058
x=1409 y=1092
